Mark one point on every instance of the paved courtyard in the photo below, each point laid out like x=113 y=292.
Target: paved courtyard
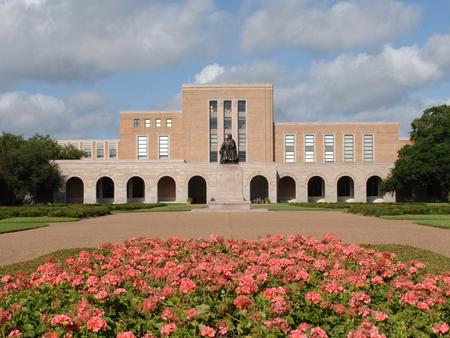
x=25 y=245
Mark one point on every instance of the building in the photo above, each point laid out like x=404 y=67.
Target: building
x=170 y=156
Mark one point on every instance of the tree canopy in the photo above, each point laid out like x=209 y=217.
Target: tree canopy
x=27 y=167
x=426 y=162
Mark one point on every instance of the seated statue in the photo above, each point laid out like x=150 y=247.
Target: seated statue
x=228 y=151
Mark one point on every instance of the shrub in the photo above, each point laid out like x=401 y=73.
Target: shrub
x=385 y=209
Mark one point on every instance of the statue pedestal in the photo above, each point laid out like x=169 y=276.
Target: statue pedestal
x=229 y=193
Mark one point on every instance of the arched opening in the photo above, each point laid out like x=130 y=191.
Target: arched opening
x=197 y=190
x=105 y=190
x=373 y=189
x=259 y=189
x=166 y=189
x=286 y=189
x=135 y=190
x=345 y=189
x=316 y=189
x=74 y=191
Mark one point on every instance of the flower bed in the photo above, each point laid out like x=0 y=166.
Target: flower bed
x=274 y=287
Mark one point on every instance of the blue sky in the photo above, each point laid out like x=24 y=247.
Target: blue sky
x=69 y=66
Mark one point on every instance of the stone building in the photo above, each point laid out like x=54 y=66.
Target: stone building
x=170 y=156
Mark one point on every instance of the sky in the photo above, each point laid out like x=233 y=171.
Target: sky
x=68 y=67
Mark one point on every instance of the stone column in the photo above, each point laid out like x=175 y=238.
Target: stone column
x=151 y=191
x=360 y=192
x=301 y=193
x=330 y=193
x=120 y=191
x=90 y=192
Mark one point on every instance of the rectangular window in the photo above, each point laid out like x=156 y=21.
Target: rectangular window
x=309 y=148
x=163 y=147
x=368 y=148
x=329 y=148
x=158 y=123
x=87 y=148
x=242 y=131
x=289 y=148
x=142 y=147
x=213 y=140
x=349 y=148
x=112 y=151
x=169 y=123
x=100 y=151
x=137 y=123
x=226 y=117
x=148 y=123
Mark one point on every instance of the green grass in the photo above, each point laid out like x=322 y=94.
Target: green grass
x=173 y=207
x=440 y=221
x=15 y=224
x=292 y=207
x=31 y=265
x=435 y=263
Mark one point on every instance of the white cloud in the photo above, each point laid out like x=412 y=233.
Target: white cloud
x=82 y=115
x=64 y=40
x=438 y=50
x=352 y=87
x=209 y=73
x=322 y=25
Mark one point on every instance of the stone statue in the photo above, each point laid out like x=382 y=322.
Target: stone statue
x=228 y=151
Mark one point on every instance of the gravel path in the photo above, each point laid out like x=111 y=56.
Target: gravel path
x=25 y=245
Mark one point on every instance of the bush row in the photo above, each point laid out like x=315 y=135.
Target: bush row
x=386 y=209
x=324 y=205
x=78 y=211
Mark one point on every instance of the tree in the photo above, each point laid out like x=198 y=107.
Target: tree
x=426 y=162
x=27 y=167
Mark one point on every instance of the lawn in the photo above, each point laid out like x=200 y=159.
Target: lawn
x=295 y=207
x=173 y=207
x=440 y=221
x=15 y=224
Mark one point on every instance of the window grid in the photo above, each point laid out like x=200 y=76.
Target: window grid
x=142 y=147
x=87 y=149
x=329 y=148
x=137 y=123
x=100 y=150
x=148 y=123
x=112 y=150
x=309 y=148
x=163 y=147
x=242 y=131
x=289 y=148
x=158 y=123
x=213 y=139
x=368 y=148
x=227 y=117
x=169 y=123
x=349 y=148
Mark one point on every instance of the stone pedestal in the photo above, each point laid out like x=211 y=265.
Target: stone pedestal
x=229 y=189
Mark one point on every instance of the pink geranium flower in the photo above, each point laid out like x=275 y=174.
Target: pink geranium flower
x=96 y=324
x=207 y=331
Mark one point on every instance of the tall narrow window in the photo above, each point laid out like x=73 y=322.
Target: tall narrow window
x=242 y=130
x=309 y=149
x=148 y=123
x=289 y=148
x=368 y=148
x=349 y=148
x=137 y=123
x=87 y=149
x=100 y=150
x=163 y=147
x=169 y=123
x=226 y=117
x=329 y=148
x=142 y=147
x=213 y=142
x=112 y=150
x=158 y=123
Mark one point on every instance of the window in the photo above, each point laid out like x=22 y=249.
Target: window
x=329 y=148
x=213 y=141
x=112 y=150
x=142 y=147
x=148 y=123
x=169 y=123
x=289 y=148
x=164 y=147
x=100 y=150
x=242 y=131
x=87 y=148
x=368 y=148
x=158 y=123
x=309 y=149
x=137 y=123
x=226 y=117
x=349 y=148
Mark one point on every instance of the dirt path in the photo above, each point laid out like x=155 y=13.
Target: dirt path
x=25 y=245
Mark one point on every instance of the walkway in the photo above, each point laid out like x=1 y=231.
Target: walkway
x=25 y=245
